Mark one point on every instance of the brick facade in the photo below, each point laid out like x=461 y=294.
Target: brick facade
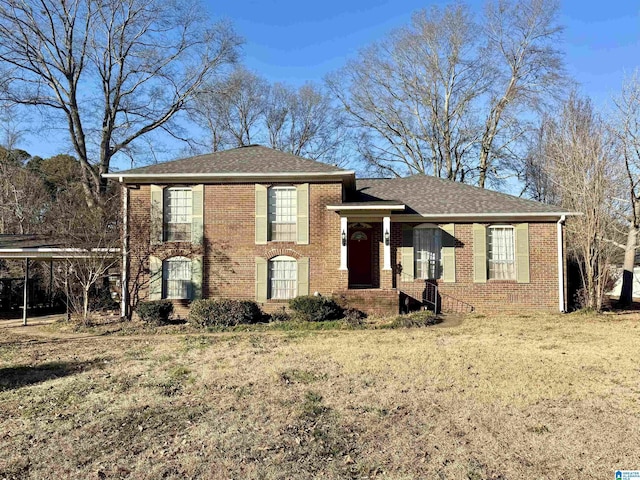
x=229 y=253
x=541 y=293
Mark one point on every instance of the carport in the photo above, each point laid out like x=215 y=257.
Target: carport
x=43 y=248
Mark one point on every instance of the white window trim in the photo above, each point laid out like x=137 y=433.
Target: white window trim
x=513 y=274
x=165 y=279
x=167 y=218
x=293 y=271
x=273 y=214
x=417 y=261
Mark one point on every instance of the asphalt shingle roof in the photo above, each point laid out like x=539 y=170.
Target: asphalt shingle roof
x=428 y=195
x=249 y=159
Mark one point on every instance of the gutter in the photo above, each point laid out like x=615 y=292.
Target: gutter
x=561 y=298
x=148 y=177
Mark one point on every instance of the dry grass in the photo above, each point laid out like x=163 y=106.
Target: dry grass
x=504 y=397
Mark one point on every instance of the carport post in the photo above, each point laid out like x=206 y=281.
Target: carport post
x=25 y=303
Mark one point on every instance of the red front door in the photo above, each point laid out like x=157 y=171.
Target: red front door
x=359 y=258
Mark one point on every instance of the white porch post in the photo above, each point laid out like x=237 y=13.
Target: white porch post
x=344 y=238
x=386 y=239
x=25 y=301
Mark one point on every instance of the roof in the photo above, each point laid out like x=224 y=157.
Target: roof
x=45 y=247
x=252 y=159
x=432 y=196
x=28 y=241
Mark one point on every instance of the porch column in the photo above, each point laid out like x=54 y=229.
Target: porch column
x=386 y=239
x=343 y=243
x=25 y=302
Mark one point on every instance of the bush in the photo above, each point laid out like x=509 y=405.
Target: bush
x=354 y=317
x=279 y=317
x=157 y=312
x=224 y=312
x=423 y=318
x=315 y=309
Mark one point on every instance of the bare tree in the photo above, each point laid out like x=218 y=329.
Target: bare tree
x=412 y=95
x=521 y=47
x=23 y=195
x=231 y=109
x=305 y=122
x=627 y=131
x=245 y=108
x=580 y=159
x=114 y=70
x=93 y=234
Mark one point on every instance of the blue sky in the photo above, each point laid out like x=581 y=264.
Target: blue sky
x=297 y=41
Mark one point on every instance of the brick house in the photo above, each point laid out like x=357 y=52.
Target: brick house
x=255 y=223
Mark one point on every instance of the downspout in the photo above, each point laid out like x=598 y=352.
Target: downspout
x=561 y=299
x=124 y=300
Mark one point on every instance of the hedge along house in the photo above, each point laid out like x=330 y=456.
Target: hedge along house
x=255 y=223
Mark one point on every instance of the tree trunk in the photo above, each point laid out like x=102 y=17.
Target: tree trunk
x=626 y=293
x=85 y=304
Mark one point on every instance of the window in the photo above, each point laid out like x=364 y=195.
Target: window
x=176 y=278
x=501 y=253
x=282 y=278
x=282 y=214
x=177 y=214
x=427 y=243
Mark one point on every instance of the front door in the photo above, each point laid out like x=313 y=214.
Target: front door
x=359 y=258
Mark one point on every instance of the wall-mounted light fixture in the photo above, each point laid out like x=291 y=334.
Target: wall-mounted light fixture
x=344 y=238
x=386 y=237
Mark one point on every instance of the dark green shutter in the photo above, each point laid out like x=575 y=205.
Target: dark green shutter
x=479 y=253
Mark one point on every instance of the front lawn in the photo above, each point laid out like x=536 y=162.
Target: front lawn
x=501 y=397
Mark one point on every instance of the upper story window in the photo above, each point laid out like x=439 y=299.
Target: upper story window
x=427 y=244
x=282 y=212
x=178 y=207
x=283 y=278
x=501 y=252
x=176 y=278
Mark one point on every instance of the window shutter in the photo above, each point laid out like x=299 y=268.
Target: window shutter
x=261 y=280
x=197 y=214
x=155 y=278
x=302 y=205
x=522 y=252
x=303 y=276
x=406 y=253
x=448 y=253
x=196 y=277
x=156 y=219
x=261 y=215
x=479 y=253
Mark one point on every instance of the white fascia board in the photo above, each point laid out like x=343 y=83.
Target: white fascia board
x=199 y=177
x=337 y=208
x=56 y=253
x=478 y=217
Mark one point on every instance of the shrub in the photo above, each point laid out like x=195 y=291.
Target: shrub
x=315 y=309
x=354 y=317
x=423 y=318
x=279 y=317
x=224 y=312
x=157 y=312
